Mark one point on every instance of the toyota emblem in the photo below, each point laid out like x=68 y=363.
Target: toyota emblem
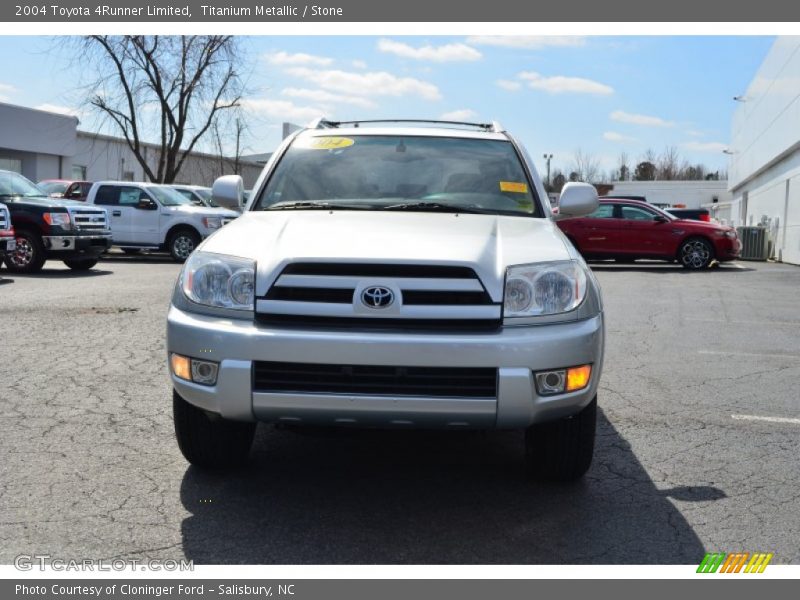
x=377 y=296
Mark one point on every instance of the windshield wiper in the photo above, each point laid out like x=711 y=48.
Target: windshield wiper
x=434 y=207
x=317 y=205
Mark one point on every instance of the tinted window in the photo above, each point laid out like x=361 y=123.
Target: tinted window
x=605 y=211
x=635 y=213
x=129 y=196
x=107 y=195
x=12 y=184
x=380 y=171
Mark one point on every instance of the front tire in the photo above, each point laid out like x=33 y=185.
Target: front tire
x=29 y=257
x=80 y=264
x=182 y=243
x=561 y=450
x=210 y=442
x=695 y=254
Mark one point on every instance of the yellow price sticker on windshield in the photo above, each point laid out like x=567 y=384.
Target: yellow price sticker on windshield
x=329 y=143
x=513 y=186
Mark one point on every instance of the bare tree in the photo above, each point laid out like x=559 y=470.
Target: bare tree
x=230 y=158
x=172 y=88
x=623 y=170
x=585 y=166
x=668 y=165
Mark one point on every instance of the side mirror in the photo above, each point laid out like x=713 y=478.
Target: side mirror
x=146 y=204
x=228 y=191
x=661 y=219
x=577 y=200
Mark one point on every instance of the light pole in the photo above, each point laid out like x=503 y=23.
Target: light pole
x=548 y=158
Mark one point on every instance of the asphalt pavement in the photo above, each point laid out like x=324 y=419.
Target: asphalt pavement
x=697 y=450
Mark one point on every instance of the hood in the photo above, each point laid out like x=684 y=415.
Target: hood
x=46 y=201
x=486 y=243
x=206 y=211
x=701 y=225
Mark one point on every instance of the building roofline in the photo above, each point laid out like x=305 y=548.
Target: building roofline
x=41 y=110
x=111 y=138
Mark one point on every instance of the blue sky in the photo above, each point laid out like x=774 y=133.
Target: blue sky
x=558 y=94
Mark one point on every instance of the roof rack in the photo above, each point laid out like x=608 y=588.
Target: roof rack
x=323 y=123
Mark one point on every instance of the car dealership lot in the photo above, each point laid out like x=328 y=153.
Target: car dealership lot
x=685 y=463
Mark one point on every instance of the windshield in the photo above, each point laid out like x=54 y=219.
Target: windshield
x=13 y=184
x=53 y=187
x=372 y=172
x=167 y=196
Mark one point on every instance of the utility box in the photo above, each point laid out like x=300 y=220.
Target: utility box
x=755 y=242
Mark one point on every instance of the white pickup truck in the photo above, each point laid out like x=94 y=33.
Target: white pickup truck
x=156 y=217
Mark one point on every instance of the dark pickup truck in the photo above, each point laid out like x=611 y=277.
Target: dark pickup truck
x=7 y=241
x=50 y=229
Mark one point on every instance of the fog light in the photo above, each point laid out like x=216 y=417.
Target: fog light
x=559 y=381
x=204 y=372
x=180 y=366
x=578 y=377
x=551 y=382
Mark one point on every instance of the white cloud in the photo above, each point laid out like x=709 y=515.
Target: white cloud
x=528 y=41
x=613 y=136
x=360 y=64
x=463 y=114
x=5 y=90
x=634 y=119
x=445 y=53
x=508 y=85
x=705 y=146
x=373 y=83
x=325 y=97
x=284 y=59
x=694 y=133
x=283 y=110
x=560 y=84
x=57 y=108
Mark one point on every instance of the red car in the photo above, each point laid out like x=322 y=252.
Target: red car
x=630 y=229
x=65 y=188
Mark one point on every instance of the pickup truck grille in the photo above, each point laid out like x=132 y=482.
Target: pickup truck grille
x=425 y=297
x=87 y=219
x=5 y=221
x=370 y=380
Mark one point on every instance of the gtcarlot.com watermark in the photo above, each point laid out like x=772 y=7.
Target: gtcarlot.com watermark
x=42 y=562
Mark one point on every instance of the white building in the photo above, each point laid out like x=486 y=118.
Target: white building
x=689 y=194
x=45 y=145
x=764 y=171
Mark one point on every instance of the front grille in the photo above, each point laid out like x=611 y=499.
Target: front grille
x=370 y=380
x=426 y=297
x=476 y=326
x=5 y=222
x=378 y=270
x=89 y=220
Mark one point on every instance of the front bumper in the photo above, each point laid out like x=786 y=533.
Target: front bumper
x=7 y=244
x=728 y=249
x=514 y=351
x=67 y=246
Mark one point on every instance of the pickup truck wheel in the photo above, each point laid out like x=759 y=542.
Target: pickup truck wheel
x=80 y=264
x=29 y=256
x=210 y=443
x=561 y=450
x=182 y=243
x=695 y=254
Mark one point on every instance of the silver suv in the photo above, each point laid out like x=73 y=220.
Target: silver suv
x=390 y=274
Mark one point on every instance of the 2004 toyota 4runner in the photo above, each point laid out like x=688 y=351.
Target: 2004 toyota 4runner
x=390 y=274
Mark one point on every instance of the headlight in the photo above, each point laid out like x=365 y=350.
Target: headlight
x=212 y=222
x=220 y=281
x=544 y=289
x=57 y=220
